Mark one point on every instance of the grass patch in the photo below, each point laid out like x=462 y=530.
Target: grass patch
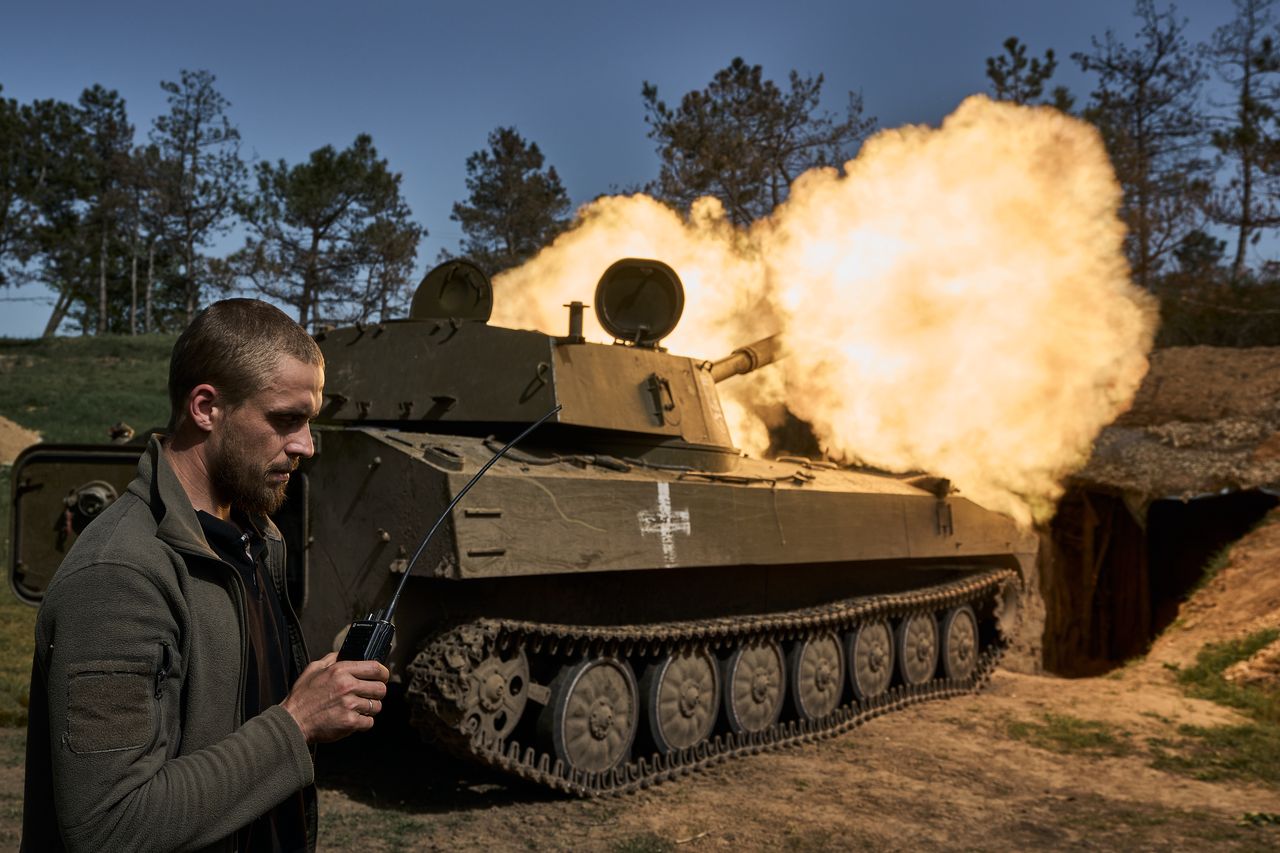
x=812 y=841
x=1221 y=753
x=1204 y=680
x=72 y=389
x=395 y=830
x=644 y=843
x=1066 y=734
x=1250 y=751
x=17 y=640
x=1260 y=819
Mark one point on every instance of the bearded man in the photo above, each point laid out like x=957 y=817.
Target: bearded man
x=172 y=704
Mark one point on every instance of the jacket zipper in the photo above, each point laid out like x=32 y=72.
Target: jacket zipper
x=293 y=624
x=237 y=591
x=238 y=594
x=162 y=672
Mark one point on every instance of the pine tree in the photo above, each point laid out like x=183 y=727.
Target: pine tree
x=332 y=236
x=56 y=157
x=1016 y=78
x=1146 y=105
x=109 y=138
x=744 y=140
x=516 y=204
x=15 y=211
x=1244 y=54
x=198 y=138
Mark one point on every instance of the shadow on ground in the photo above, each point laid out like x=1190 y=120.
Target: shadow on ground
x=391 y=767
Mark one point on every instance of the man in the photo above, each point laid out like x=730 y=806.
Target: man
x=162 y=716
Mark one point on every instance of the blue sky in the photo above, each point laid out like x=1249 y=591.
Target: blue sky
x=430 y=80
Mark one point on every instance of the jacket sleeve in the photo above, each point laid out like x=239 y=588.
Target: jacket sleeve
x=110 y=644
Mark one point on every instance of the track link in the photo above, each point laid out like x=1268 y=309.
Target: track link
x=439 y=688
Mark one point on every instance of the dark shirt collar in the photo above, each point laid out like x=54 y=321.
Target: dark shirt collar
x=237 y=541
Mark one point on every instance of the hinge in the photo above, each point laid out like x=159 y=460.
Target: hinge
x=946 y=526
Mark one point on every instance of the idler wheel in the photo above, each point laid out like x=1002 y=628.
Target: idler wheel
x=959 y=642
x=816 y=665
x=497 y=693
x=681 y=694
x=591 y=717
x=869 y=649
x=755 y=682
x=917 y=641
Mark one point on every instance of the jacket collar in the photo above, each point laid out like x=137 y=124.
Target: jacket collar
x=157 y=485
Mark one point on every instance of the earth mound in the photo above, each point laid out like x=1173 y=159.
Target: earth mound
x=14 y=439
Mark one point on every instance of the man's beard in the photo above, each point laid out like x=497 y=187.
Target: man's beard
x=242 y=483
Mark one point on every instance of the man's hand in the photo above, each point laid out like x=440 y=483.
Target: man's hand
x=330 y=700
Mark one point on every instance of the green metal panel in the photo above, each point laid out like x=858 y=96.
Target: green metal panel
x=45 y=523
x=421 y=372
x=418 y=373
x=567 y=517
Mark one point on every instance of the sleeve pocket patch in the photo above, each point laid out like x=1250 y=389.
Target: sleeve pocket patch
x=109 y=708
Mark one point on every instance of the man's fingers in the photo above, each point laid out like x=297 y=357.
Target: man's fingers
x=334 y=698
x=370 y=670
x=348 y=681
x=365 y=670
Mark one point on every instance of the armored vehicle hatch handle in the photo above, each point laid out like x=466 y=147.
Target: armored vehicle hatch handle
x=370 y=638
x=664 y=402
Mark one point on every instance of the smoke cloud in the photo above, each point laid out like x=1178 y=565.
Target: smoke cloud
x=956 y=300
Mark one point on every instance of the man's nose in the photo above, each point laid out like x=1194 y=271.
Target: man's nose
x=302 y=444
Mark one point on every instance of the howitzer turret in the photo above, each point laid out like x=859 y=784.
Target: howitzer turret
x=639 y=400
x=625 y=596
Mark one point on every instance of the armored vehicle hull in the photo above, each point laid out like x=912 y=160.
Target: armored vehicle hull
x=624 y=597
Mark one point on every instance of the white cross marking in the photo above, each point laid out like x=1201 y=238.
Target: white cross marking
x=665 y=523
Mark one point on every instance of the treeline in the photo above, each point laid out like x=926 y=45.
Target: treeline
x=120 y=231
x=1200 y=173
x=1193 y=131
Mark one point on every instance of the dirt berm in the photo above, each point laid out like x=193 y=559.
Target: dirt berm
x=14 y=439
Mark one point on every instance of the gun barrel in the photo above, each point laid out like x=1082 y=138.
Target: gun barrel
x=746 y=359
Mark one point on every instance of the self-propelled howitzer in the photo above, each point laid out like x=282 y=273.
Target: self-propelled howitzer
x=625 y=596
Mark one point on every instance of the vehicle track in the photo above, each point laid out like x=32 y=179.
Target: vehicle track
x=443 y=686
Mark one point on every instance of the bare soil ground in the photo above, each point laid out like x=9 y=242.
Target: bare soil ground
x=945 y=775
x=967 y=773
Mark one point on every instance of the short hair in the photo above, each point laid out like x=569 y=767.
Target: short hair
x=234 y=345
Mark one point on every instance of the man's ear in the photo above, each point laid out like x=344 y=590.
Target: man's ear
x=204 y=407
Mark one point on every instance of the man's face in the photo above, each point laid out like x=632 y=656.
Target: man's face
x=254 y=446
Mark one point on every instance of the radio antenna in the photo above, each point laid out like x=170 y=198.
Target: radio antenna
x=370 y=638
x=391 y=608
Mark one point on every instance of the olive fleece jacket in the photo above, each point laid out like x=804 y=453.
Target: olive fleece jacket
x=136 y=739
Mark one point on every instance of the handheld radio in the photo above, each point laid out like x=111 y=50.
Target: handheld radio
x=370 y=638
